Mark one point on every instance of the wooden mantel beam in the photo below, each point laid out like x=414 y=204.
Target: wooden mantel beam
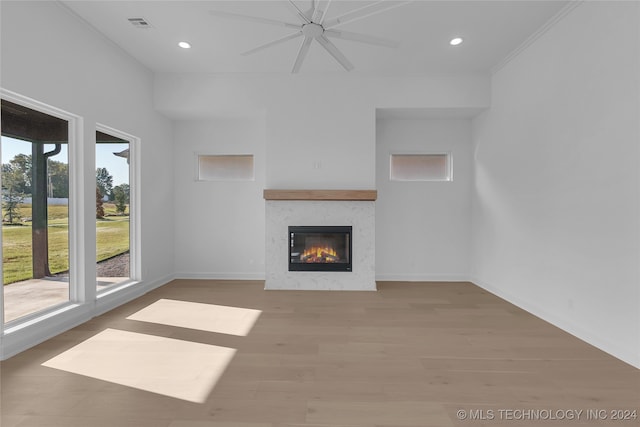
x=331 y=195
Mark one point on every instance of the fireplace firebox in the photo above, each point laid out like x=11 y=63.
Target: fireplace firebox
x=320 y=248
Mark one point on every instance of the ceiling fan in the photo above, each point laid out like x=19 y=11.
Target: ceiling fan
x=315 y=25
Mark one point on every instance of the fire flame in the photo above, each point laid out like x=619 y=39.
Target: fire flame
x=319 y=254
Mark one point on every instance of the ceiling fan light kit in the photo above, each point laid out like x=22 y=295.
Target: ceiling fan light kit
x=313 y=26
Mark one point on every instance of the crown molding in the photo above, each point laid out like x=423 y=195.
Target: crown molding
x=571 y=5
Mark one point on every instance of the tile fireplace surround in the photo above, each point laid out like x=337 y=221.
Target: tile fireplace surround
x=286 y=208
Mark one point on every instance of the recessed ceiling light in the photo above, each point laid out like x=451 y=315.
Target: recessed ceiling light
x=184 y=45
x=455 y=41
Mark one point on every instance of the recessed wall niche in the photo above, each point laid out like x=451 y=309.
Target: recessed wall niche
x=226 y=167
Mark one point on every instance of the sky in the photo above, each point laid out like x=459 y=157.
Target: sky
x=117 y=166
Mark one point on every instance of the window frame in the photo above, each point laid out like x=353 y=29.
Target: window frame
x=135 y=233
x=77 y=294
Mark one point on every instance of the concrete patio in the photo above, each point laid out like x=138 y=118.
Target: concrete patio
x=30 y=296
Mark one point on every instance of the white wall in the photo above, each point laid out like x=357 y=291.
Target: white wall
x=423 y=229
x=320 y=130
x=48 y=54
x=556 y=208
x=219 y=227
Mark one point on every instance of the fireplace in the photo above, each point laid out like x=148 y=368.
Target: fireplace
x=320 y=248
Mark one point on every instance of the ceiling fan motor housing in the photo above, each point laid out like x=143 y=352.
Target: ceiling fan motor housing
x=312 y=30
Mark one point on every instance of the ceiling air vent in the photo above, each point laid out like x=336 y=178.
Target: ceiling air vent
x=139 y=23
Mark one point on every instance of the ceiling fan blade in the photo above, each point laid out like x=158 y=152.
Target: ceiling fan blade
x=333 y=51
x=311 y=9
x=299 y=13
x=272 y=43
x=257 y=19
x=363 y=12
x=302 y=53
x=320 y=11
x=363 y=38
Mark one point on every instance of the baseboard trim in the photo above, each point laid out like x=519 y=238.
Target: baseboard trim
x=220 y=276
x=422 y=278
x=564 y=324
x=369 y=288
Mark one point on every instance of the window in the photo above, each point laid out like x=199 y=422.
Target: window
x=115 y=208
x=421 y=167
x=38 y=273
x=44 y=211
x=236 y=167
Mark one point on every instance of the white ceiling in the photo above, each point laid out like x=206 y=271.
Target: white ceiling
x=491 y=30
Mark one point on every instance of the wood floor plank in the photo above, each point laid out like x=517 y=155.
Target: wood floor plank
x=188 y=423
x=405 y=414
x=409 y=355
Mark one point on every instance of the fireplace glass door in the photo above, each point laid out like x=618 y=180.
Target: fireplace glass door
x=320 y=248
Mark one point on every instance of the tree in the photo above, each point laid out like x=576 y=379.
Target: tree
x=104 y=181
x=121 y=197
x=12 y=197
x=22 y=164
x=59 y=178
x=58 y=173
x=99 y=207
x=11 y=205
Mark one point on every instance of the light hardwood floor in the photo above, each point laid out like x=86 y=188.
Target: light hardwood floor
x=411 y=354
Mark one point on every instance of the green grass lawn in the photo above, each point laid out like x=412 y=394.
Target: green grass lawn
x=112 y=234
x=112 y=237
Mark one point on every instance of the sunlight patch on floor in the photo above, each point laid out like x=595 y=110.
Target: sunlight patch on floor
x=180 y=369
x=203 y=317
